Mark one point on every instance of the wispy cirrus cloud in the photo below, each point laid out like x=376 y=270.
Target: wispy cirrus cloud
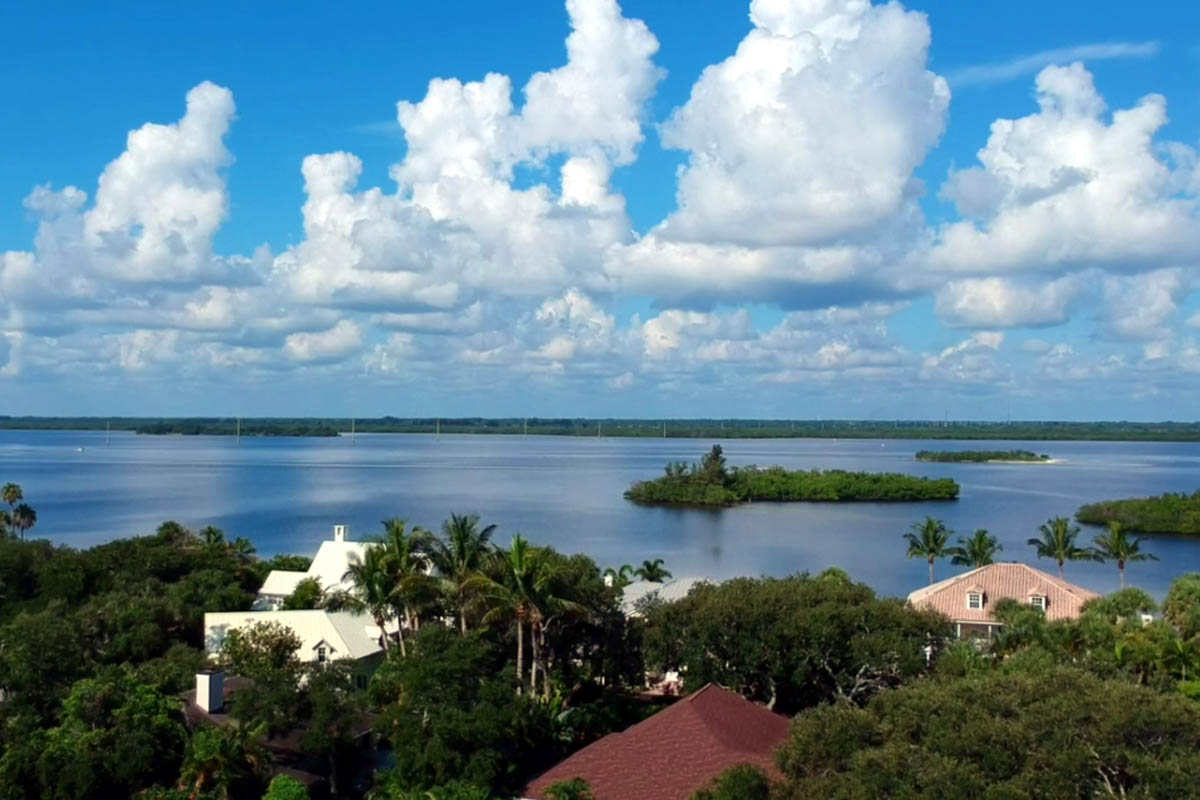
x=1000 y=71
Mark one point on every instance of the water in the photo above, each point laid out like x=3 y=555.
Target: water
x=286 y=494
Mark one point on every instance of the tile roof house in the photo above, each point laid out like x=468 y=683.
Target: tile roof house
x=675 y=752
x=328 y=566
x=969 y=599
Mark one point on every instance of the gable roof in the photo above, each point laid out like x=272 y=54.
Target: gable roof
x=350 y=635
x=328 y=566
x=998 y=581
x=675 y=752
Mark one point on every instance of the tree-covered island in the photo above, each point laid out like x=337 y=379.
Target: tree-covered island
x=982 y=456
x=1166 y=513
x=712 y=483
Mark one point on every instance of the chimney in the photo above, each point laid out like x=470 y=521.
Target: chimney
x=210 y=690
x=339 y=532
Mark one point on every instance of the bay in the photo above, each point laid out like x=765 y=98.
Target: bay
x=286 y=494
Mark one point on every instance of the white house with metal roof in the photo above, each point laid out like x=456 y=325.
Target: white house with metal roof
x=324 y=635
x=328 y=566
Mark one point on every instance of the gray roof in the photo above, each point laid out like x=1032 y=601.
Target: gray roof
x=668 y=591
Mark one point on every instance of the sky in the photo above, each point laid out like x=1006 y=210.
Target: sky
x=776 y=208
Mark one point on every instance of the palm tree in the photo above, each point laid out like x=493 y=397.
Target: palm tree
x=1058 y=543
x=618 y=577
x=371 y=591
x=1117 y=545
x=652 y=571
x=23 y=517
x=980 y=550
x=928 y=540
x=220 y=761
x=406 y=559
x=460 y=555
x=11 y=494
x=512 y=597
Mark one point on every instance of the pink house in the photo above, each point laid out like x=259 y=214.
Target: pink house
x=969 y=599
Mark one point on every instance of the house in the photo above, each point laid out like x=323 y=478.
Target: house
x=324 y=635
x=675 y=752
x=637 y=593
x=969 y=600
x=328 y=566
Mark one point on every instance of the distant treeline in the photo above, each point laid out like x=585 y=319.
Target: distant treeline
x=679 y=428
x=1166 y=513
x=979 y=456
x=711 y=483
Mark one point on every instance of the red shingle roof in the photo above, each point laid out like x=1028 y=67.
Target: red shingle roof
x=675 y=752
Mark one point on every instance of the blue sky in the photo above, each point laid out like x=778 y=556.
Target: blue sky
x=777 y=208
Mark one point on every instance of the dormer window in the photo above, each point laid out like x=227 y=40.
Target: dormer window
x=322 y=655
x=1038 y=601
x=975 y=600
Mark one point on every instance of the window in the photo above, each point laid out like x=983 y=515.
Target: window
x=974 y=600
x=321 y=655
x=360 y=681
x=1038 y=601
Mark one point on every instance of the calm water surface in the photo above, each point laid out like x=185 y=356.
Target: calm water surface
x=286 y=494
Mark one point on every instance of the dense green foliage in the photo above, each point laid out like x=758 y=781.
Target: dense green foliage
x=1053 y=732
x=642 y=428
x=710 y=483
x=740 y=782
x=790 y=642
x=1166 y=513
x=979 y=456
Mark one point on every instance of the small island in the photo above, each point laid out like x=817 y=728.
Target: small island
x=983 y=456
x=711 y=483
x=1166 y=513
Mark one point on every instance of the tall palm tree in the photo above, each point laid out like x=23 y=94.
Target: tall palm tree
x=1058 y=542
x=406 y=559
x=928 y=540
x=459 y=556
x=1117 y=545
x=23 y=517
x=370 y=592
x=652 y=571
x=512 y=597
x=978 y=551
x=11 y=494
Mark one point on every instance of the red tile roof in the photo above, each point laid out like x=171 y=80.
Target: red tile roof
x=996 y=582
x=675 y=752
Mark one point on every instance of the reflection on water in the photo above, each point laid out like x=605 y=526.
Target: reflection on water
x=285 y=494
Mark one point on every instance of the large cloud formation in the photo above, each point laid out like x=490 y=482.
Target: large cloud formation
x=797 y=255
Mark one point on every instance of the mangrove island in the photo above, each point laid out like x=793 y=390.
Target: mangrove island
x=712 y=483
x=981 y=456
x=1166 y=513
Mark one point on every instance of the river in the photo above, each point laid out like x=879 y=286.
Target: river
x=286 y=494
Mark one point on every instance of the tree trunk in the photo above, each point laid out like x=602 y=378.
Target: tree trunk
x=545 y=668
x=383 y=637
x=400 y=633
x=931 y=570
x=520 y=655
x=1121 y=569
x=1060 y=566
x=535 y=660
x=462 y=616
